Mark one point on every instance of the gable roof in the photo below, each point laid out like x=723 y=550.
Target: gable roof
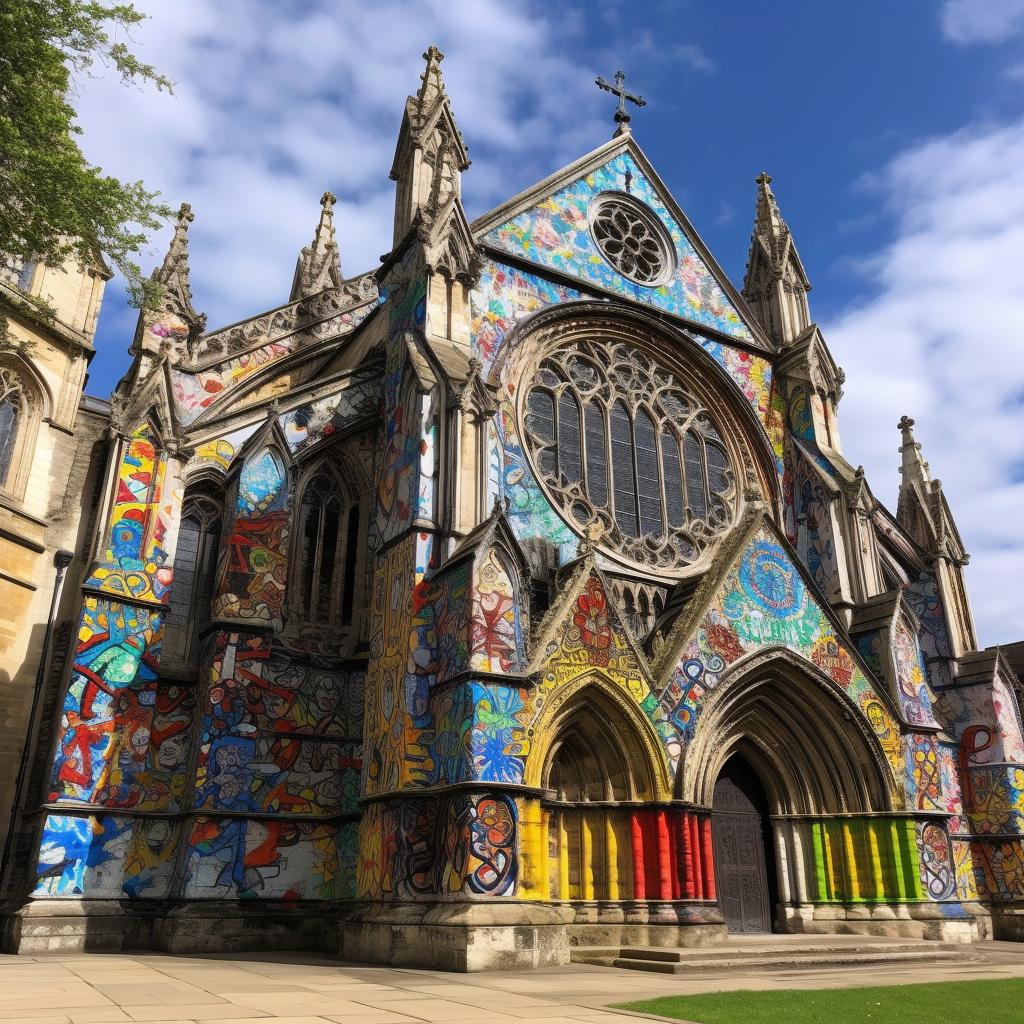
x=548 y=225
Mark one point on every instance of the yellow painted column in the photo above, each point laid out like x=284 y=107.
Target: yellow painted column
x=876 y=860
x=563 y=858
x=543 y=868
x=611 y=844
x=851 y=861
x=587 y=867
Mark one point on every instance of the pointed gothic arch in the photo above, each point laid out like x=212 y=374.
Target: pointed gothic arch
x=810 y=744
x=24 y=402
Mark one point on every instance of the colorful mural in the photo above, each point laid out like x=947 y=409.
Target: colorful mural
x=816 y=533
x=497 y=627
x=763 y=602
x=439 y=844
x=915 y=697
x=108 y=709
x=309 y=424
x=556 y=233
x=248 y=859
x=253 y=568
x=136 y=562
x=277 y=737
x=196 y=392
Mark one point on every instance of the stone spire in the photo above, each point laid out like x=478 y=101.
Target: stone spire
x=776 y=285
x=173 y=275
x=319 y=265
x=430 y=156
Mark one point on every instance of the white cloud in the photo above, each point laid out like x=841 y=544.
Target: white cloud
x=944 y=343
x=982 y=21
x=276 y=102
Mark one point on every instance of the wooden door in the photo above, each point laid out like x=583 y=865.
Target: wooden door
x=740 y=872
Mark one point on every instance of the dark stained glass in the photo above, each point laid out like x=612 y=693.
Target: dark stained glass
x=351 y=553
x=694 y=464
x=624 y=480
x=569 y=447
x=718 y=468
x=540 y=421
x=648 y=484
x=675 y=503
x=597 y=456
x=9 y=409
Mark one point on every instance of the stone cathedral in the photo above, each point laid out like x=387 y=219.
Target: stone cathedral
x=511 y=596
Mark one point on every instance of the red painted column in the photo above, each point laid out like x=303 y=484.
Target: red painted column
x=709 y=859
x=698 y=867
x=689 y=854
x=636 y=836
x=664 y=856
x=674 y=851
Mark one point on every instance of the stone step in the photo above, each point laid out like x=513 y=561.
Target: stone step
x=756 y=948
x=684 y=961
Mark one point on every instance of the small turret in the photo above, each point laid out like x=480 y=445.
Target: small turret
x=776 y=285
x=922 y=510
x=319 y=265
x=429 y=161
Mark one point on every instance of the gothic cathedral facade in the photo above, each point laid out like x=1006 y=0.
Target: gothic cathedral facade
x=511 y=596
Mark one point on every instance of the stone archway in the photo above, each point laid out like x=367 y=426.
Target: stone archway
x=832 y=803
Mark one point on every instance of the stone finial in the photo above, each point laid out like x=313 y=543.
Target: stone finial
x=319 y=265
x=432 y=88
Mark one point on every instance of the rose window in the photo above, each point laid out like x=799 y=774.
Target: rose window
x=632 y=239
x=620 y=442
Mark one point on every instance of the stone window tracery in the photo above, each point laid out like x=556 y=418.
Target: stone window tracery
x=632 y=239
x=620 y=440
x=18 y=418
x=328 y=531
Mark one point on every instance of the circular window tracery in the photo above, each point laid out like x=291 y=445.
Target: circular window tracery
x=632 y=239
x=620 y=442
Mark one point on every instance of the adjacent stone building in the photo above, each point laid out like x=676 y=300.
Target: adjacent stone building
x=515 y=594
x=52 y=450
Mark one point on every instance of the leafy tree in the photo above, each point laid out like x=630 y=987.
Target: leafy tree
x=53 y=203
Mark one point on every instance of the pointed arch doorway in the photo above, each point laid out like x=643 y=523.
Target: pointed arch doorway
x=744 y=859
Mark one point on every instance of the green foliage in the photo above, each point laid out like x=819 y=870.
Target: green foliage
x=998 y=1001
x=53 y=203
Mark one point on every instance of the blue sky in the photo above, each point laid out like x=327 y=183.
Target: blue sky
x=894 y=132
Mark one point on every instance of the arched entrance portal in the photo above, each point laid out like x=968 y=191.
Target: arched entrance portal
x=744 y=859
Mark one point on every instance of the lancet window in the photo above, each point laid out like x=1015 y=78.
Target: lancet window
x=328 y=529
x=19 y=410
x=195 y=564
x=620 y=440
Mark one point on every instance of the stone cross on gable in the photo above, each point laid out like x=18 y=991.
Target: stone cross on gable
x=622 y=116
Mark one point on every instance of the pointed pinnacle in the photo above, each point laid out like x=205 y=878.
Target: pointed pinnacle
x=433 y=83
x=319 y=266
x=173 y=273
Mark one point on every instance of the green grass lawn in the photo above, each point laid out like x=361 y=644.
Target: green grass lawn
x=951 y=1002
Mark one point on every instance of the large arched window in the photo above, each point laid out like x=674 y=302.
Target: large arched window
x=618 y=439
x=195 y=564
x=328 y=538
x=19 y=414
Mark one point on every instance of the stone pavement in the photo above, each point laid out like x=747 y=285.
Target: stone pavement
x=299 y=988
